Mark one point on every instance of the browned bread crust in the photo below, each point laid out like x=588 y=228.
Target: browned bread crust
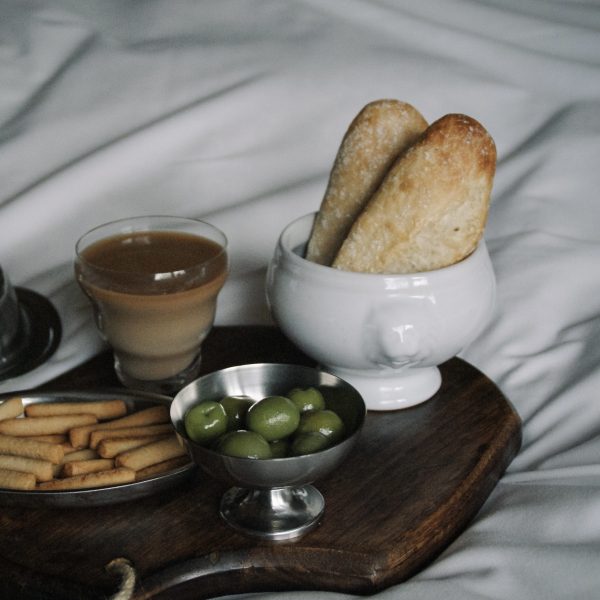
x=377 y=135
x=431 y=209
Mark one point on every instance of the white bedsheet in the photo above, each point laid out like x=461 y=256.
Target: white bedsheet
x=233 y=110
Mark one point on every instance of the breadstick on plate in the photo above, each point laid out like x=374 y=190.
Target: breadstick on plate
x=42 y=469
x=16 y=480
x=84 y=454
x=90 y=480
x=44 y=425
x=11 y=408
x=161 y=467
x=110 y=447
x=78 y=455
x=101 y=434
x=150 y=454
x=80 y=436
x=68 y=448
x=101 y=409
x=80 y=467
x=380 y=132
x=431 y=208
x=53 y=438
x=31 y=448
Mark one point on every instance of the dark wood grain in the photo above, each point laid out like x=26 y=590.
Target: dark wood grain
x=415 y=480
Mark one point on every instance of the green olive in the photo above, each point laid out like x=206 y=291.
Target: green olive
x=307 y=399
x=310 y=442
x=280 y=448
x=205 y=422
x=244 y=444
x=273 y=417
x=236 y=408
x=326 y=422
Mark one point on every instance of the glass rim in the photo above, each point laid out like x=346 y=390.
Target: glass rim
x=150 y=219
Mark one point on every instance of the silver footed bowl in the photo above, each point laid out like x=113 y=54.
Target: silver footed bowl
x=271 y=498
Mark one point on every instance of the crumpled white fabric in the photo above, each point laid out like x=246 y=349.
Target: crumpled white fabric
x=233 y=110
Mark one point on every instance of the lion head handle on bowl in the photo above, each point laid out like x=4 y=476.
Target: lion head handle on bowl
x=401 y=334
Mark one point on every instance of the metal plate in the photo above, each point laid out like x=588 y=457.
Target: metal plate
x=95 y=496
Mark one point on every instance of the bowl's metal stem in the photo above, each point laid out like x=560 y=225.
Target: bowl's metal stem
x=274 y=514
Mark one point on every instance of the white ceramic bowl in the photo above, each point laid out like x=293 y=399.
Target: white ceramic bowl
x=384 y=334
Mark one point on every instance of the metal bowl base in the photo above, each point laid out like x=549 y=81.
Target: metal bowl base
x=275 y=514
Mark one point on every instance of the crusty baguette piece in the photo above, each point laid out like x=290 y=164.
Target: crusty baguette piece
x=430 y=210
x=377 y=135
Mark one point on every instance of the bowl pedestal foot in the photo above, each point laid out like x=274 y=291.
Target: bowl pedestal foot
x=392 y=390
x=274 y=514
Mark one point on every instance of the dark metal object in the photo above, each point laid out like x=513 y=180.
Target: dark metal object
x=30 y=329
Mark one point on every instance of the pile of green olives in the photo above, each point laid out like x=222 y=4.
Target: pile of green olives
x=274 y=427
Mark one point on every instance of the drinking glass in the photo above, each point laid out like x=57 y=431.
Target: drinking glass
x=153 y=283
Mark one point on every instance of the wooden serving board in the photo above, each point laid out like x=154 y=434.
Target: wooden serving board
x=413 y=483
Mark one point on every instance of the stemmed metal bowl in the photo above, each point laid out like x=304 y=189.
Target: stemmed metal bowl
x=273 y=498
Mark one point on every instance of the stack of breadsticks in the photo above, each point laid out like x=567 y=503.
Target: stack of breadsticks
x=82 y=445
x=404 y=196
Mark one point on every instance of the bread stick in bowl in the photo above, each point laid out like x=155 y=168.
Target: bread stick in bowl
x=431 y=208
x=381 y=131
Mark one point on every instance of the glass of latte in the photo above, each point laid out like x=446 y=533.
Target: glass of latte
x=153 y=283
